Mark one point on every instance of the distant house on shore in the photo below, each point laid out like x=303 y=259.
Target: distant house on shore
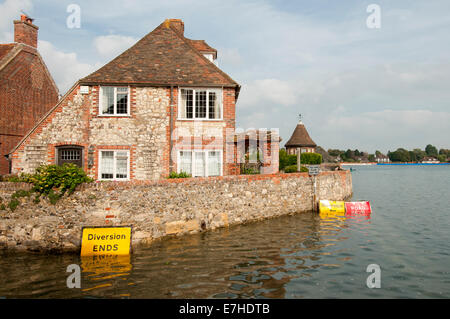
x=430 y=160
x=381 y=158
x=300 y=139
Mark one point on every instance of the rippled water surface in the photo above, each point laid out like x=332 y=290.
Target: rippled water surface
x=299 y=256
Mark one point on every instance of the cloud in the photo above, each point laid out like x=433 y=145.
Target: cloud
x=65 y=67
x=11 y=10
x=290 y=57
x=109 y=46
x=268 y=91
x=404 y=128
x=229 y=56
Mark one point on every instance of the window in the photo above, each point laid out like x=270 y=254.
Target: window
x=185 y=162
x=200 y=163
x=114 y=165
x=70 y=154
x=114 y=101
x=200 y=104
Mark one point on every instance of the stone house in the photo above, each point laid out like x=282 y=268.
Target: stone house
x=300 y=139
x=161 y=106
x=27 y=90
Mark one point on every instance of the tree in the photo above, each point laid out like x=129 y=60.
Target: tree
x=400 y=155
x=349 y=154
x=431 y=150
x=378 y=153
x=335 y=152
x=417 y=155
x=442 y=158
x=445 y=152
x=371 y=158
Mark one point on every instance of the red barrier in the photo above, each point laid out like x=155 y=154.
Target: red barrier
x=362 y=208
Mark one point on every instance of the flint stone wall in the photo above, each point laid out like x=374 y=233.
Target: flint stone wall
x=161 y=208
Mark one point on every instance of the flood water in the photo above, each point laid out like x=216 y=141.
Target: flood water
x=299 y=256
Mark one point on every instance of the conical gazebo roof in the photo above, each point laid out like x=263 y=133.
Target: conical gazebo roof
x=300 y=137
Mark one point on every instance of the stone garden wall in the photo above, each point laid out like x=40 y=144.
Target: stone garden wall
x=161 y=208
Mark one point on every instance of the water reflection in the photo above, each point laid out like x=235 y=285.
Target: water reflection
x=258 y=260
x=249 y=261
x=99 y=271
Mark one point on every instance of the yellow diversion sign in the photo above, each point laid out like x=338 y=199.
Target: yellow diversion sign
x=105 y=241
x=331 y=207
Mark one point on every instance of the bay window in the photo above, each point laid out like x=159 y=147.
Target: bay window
x=200 y=104
x=201 y=163
x=114 y=101
x=114 y=165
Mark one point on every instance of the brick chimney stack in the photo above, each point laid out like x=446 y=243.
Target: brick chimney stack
x=25 y=31
x=177 y=23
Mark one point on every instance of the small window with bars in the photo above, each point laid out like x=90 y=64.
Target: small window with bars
x=70 y=154
x=114 y=101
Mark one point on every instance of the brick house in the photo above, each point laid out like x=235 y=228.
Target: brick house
x=27 y=90
x=161 y=106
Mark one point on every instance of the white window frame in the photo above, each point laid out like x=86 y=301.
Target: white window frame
x=219 y=92
x=114 y=165
x=205 y=153
x=100 y=110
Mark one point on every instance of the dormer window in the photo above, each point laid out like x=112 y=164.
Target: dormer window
x=204 y=104
x=114 y=101
x=209 y=56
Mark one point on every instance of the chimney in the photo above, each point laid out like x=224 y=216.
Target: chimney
x=25 y=31
x=177 y=23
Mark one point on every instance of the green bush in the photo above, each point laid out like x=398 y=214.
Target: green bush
x=285 y=159
x=21 y=193
x=249 y=171
x=179 y=175
x=311 y=158
x=63 y=178
x=293 y=169
x=13 y=204
x=15 y=178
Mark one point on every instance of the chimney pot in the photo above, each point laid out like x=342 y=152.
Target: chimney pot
x=25 y=31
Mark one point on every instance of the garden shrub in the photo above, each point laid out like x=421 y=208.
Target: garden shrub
x=63 y=178
x=249 y=171
x=179 y=175
x=293 y=169
x=311 y=158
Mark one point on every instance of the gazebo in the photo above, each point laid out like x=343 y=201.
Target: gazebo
x=300 y=139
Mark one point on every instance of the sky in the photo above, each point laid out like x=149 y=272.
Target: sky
x=356 y=87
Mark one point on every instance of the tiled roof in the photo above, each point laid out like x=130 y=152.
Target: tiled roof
x=5 y=49
x=300 y=138
x=163 y=57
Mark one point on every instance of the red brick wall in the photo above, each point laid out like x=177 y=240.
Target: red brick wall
x=26 y=94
